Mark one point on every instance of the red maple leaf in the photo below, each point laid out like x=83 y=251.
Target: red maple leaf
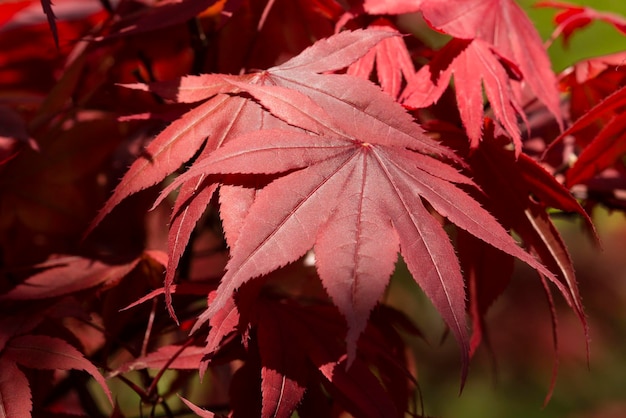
x=219 y=118
x=503 y=24
x=504 y=34
x=354 y=194
x=474 y=65
x=354 y=172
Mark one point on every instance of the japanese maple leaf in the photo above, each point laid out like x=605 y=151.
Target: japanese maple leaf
x=353 y=191
x=220 y=117
x=475 y=65
x=507 y=32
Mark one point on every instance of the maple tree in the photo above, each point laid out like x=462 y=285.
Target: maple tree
x=223 y=191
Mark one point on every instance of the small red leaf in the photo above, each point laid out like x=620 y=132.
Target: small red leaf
x=505 y=26
x=203 y=413
x=474 y=65
x=172 y=356
x=574 y=17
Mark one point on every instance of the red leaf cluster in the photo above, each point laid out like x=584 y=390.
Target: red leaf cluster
x=293 y=154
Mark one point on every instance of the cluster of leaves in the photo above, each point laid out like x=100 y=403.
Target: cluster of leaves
x=304 y=145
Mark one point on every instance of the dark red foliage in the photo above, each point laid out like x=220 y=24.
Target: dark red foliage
x=265 y=167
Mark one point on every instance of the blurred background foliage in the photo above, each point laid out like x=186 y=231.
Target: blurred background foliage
x=512 y=379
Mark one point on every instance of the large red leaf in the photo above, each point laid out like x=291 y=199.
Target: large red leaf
x=15 y=397
x=336 y=207
x=43 y=352
x=219 y=118
x=505 y=26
